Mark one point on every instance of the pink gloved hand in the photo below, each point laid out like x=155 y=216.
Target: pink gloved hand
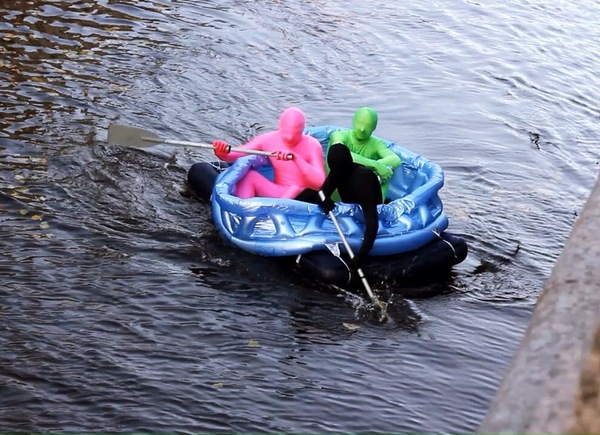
x=284 y=155
x=222 y=148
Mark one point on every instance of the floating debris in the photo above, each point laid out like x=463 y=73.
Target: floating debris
x=253 y=343
x=351 y=326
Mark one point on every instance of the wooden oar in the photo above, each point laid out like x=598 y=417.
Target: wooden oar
x=125 y=135
x=376 y=302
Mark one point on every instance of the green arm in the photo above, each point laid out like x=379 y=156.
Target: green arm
x=385 y=155
x=369 y=163
x=389 y=158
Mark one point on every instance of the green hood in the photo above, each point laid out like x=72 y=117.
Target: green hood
x=364 y=123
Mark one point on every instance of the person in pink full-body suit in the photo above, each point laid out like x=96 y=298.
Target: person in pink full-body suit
x=297 y=159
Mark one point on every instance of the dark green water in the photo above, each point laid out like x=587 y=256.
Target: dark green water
x=121 y=309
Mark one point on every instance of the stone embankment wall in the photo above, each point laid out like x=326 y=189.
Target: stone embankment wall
x=553 y=382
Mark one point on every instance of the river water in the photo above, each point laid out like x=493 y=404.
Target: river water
x=120 y=307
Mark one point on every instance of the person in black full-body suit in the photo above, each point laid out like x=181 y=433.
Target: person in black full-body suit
x=356 y=184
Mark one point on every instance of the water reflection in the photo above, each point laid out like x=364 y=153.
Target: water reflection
x=58 y=63
x=116 y=290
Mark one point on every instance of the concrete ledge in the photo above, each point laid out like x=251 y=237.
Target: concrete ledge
x=553 y=382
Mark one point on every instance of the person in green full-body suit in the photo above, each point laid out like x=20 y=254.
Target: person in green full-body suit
x=366 y=149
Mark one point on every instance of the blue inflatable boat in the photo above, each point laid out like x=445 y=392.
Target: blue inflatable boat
x=411 y=243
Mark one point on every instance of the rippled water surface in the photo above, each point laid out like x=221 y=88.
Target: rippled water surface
x=120 y=307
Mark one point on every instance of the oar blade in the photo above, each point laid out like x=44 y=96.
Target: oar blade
x=125 y=135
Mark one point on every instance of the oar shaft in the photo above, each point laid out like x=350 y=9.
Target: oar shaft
x=204 y=145
x=125 y=135
x=362 y=276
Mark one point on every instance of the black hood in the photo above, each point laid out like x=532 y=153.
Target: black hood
x=339 y=160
